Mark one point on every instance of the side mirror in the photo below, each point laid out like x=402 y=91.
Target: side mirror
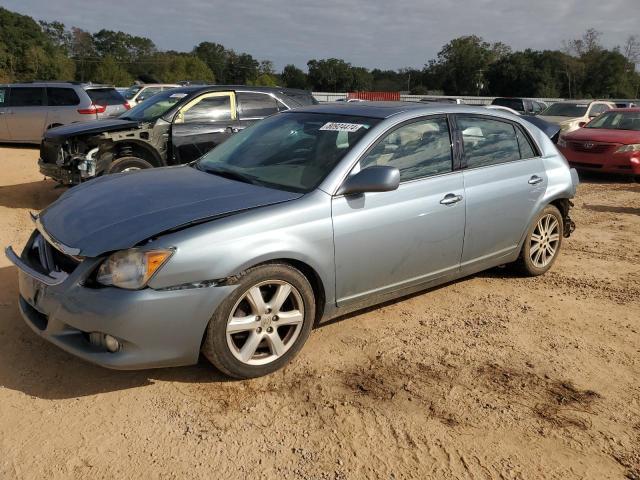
x=371 y=179
x=582 y=124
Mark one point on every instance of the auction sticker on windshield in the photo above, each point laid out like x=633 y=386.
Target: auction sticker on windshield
x=341 y=127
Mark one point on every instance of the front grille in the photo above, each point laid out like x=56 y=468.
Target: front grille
x=591 y=147
x=585 y=165
x=45 y=258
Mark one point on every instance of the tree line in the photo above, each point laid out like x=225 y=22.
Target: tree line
x=468 y=65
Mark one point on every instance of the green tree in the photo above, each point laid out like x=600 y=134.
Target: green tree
x=111 y=72
x=462 y=64
x=293 y=77
x=215 y=56
x=329 y=75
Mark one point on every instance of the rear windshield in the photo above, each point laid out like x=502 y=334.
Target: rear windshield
x=566 y=110
x=105 y=96
x=303 y=98
x=514 y=103
x=617 y=121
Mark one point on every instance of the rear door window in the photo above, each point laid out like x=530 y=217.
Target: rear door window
x=487 y=141
x=26 y=97
x=255 y=105
x=62 y=97
x=105 y=96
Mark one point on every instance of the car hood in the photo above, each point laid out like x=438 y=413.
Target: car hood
x=604 y=135
x=88 y=128
x=121 y=210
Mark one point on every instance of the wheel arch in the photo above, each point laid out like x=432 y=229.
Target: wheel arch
x=310 y=273
x=135 y=148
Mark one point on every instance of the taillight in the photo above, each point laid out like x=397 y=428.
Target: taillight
x=93 y=109
x=127 y=105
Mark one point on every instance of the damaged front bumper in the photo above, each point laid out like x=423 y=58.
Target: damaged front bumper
x=70 y=171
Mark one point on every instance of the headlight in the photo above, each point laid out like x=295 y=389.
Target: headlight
x=131 y=269
x=562 y=142
x=629 y=148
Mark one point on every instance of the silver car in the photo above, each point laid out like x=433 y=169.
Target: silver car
x=28 y=109
x=302 y=217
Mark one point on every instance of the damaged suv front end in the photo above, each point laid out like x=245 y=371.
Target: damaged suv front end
x=76 y=153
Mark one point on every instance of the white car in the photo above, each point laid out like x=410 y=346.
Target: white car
x=137 y=93
x=573 y=115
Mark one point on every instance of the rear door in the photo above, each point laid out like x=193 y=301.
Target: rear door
x=504 y=177
x=203 y=123
x=4 y=104
x=27 y=114
x=254 y=106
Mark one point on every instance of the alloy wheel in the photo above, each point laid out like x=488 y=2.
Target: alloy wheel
x=265 y=322
x=544 y=241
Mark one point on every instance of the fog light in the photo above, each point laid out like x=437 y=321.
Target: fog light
x=111 y=343
x=102 y=340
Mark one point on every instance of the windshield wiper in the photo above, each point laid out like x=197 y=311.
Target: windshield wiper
x=229 y=174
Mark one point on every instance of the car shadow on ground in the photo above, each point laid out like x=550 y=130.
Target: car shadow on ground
x=33 y=366
x=610 y=209
x=608 y=178
x=33 y=195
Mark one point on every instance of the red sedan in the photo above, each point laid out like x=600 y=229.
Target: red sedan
x=609 y=143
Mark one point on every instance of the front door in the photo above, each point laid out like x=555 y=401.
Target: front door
x=504 y=178
x=385 y=241
x=203 y=123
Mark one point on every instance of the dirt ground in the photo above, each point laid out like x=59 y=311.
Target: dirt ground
x=494 y=376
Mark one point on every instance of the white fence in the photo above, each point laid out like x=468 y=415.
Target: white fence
x=332 y=97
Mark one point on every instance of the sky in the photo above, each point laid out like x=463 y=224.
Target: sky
x=368 y=33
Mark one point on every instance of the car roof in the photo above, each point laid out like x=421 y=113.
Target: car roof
x=382 y=109
x=216 y=88
x=43 y=84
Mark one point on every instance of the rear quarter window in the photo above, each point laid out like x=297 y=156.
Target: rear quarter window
x=105 y=96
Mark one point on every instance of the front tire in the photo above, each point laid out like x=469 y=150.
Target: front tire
x=542 y=243
x=129 y=164
x=263 y=324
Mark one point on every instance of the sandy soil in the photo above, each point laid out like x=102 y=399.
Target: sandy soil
x=494 y=376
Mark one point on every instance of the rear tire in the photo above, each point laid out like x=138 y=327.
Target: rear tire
x=128 y=164
x=542 y=243
x=262 y=324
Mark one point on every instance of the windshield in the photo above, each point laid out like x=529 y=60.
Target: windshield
x=289 y=151
x=566 y=110
x=617 y=121
x=155 y=107
x=131 y=91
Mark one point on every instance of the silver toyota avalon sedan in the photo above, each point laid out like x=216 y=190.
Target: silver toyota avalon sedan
x=302 y=217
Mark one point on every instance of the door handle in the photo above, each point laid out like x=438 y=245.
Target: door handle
x=535 y=179
x=450 y=199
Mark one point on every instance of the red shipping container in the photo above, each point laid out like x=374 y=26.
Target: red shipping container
x=375 y=96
